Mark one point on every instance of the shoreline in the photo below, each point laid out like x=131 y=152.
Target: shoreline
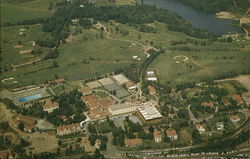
x=230 y=16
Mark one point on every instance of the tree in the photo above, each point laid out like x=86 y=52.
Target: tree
x=20 y=126
x=4 y=126
x=59 y=143
x=55 y=64
x=151 y=129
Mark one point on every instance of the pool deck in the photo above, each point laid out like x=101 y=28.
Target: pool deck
x=28 y=96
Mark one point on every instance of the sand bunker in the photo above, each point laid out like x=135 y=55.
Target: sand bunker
x=25 y=51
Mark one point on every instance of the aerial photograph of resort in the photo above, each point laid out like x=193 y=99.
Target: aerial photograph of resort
x=125 y=79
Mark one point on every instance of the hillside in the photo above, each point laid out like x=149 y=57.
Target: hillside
x=213 y=6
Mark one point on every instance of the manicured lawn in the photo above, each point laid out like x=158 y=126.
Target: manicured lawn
x=201 y=65
x=10 y=37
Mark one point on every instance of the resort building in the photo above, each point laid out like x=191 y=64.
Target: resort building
x=151 y=76
x=121 y=109
x=120 y=79
x=149 y=113
x=86 y=91
x=68 y=129
x=49 y=106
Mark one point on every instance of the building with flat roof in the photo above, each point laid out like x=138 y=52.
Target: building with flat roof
x=120 y=79
x=68 y=129
x=149 y=113
x=151 y=76
x=120 y=109
x=49 y=106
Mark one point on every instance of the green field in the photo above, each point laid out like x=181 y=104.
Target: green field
x=10 y=37
x=89 y=55
x=201 y=65
x=15 y=12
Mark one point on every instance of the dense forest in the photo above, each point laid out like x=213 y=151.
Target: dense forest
x=213 y=6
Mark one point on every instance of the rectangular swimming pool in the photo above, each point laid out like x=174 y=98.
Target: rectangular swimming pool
x=29 y=98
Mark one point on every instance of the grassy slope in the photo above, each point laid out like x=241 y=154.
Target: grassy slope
x=206 y=65
x=11 y=37
x=28 y=10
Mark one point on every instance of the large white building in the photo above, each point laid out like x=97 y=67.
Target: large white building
x=151 y=76
x=149 y=113
x=120 y=109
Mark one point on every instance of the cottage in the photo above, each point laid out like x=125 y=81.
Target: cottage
x=157 y=136
x=49 y=106
x=133 y=142
x=171 y=133
x=68 y=129
x=200 y=128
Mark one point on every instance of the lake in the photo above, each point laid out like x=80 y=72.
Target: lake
x=198 y=18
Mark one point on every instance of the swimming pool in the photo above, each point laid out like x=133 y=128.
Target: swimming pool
x=25 y=99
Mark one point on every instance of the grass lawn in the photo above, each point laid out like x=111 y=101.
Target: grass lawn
x=10 y=37
x=199 y=66
x=11 y=12
x=101 y=94
x=185 y=135
x=102 y=56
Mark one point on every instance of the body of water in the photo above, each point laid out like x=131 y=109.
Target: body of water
x=198 y=18
x=29 y=98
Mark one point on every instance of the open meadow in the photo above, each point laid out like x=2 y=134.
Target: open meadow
x=193 y=66
x=15 y=12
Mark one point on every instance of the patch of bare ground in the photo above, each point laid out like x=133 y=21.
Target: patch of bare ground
x=226 y=15
x=18 y=46
x=25 y=51
x=69 y=39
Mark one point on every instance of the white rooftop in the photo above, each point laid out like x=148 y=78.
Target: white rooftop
x=120 y=78
x=149 y=112
x=106 y=81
